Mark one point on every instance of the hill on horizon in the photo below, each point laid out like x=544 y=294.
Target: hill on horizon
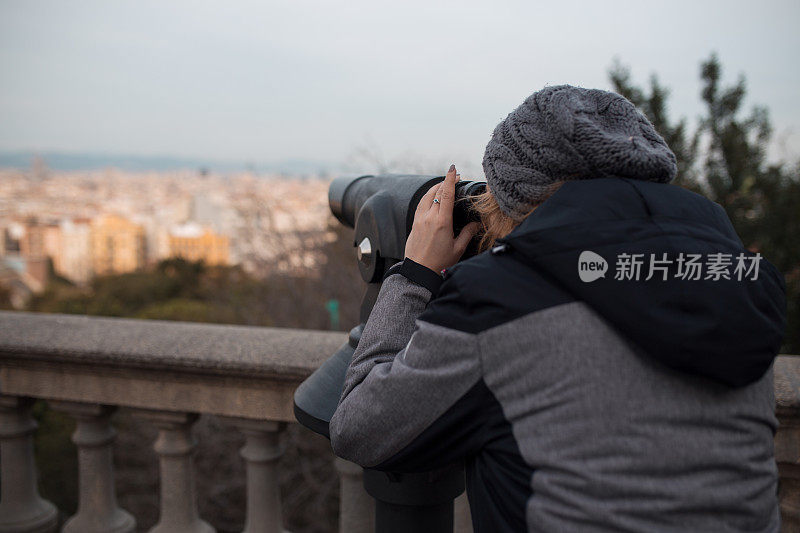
x=23 y=159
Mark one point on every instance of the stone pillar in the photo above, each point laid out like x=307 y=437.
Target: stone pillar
x=22 y=510
x=462 y=519
x=787 y=455
x=98 y=511
x=261 y=452
x=356 y=507
x=175 y=447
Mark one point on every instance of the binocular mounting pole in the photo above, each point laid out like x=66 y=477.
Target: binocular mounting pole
x=410 y=502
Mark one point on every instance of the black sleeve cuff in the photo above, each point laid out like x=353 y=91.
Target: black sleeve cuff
x=419 y=274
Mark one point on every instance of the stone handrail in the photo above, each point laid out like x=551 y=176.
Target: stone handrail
x=251 y=371
x=169 y=373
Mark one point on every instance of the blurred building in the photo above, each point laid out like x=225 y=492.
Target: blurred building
x=36 y=273
x=39 y=238
x=193 y=242
x=39 y=243
x=12 y=277
x=74 y=261
x=118 y=245
x=53 y=244
x=205 y=211
x=12 y=235
x=5 y=240
x=31 y=242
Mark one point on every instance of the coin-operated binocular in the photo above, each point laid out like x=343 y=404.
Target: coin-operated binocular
x=381 y=210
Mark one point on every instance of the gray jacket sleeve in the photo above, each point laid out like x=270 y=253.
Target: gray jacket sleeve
x=405 y=374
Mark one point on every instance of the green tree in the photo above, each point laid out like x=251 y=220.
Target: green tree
x=654 y=105
x=761 y=199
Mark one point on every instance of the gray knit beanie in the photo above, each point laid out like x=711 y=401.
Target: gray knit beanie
x=570 y=133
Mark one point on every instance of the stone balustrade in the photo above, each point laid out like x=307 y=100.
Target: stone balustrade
x=167 y=373
x=170 y=373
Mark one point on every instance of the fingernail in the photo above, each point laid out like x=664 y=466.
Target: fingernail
x=452 y=167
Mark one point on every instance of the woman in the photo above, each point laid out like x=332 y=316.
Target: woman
x=606 y=366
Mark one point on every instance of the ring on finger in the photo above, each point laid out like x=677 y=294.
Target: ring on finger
x=436 y=201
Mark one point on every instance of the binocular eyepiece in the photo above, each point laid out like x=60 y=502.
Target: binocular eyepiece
x=381 y=211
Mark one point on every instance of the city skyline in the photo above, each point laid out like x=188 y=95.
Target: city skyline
x=94 y=223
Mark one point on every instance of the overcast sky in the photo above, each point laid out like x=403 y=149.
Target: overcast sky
x=265 y=81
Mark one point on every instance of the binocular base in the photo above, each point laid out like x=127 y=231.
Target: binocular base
x=419 y=502
x=404 y=502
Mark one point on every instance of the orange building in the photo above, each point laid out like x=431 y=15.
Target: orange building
x=192 y=242
x=118 y=245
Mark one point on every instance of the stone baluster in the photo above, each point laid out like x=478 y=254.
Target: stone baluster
x=175 y=447
x=98 y=511
x=356 y=507
x=462 y=518
x=787 y=455
x=262 y=449
x=22 y=510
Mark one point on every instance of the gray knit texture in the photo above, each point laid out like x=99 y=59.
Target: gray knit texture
x=571 y=133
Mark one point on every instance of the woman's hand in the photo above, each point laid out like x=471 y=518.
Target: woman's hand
x=431 y=242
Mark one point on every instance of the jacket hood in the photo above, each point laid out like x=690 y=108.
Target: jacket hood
x=630 y=249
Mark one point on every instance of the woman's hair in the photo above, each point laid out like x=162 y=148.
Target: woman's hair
x=495 y=223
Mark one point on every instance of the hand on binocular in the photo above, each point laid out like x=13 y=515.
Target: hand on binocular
x=431 y=242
